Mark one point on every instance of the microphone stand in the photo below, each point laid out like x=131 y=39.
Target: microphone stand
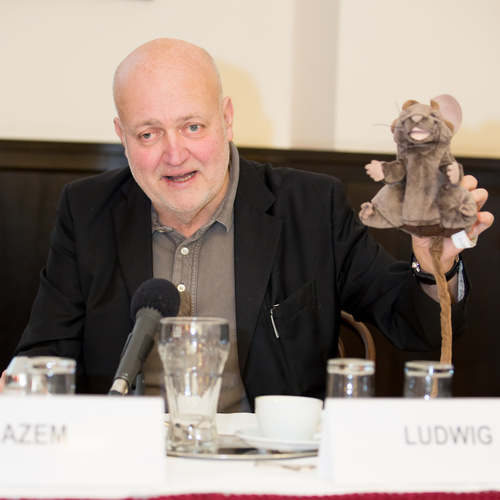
x=121 y=388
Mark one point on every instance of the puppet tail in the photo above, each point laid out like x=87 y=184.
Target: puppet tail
x=436 y=250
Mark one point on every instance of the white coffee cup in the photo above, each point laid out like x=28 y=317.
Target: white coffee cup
x=288 y=417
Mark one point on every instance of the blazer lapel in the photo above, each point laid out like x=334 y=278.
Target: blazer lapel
x=132 y=225
x=255 y=243
x=256 y=237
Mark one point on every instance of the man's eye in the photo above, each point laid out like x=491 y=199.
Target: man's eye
x=194 y=128
x=147 y=135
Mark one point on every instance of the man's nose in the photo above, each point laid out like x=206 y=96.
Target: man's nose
x=175 y=150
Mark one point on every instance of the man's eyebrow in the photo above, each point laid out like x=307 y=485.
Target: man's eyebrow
x=191 y=117
x=147 y=123
x=182 y=119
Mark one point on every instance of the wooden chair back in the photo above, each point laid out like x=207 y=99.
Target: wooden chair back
x=350 y=325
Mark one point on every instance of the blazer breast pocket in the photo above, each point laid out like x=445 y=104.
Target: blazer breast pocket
x=296 y=328
x=295 y=316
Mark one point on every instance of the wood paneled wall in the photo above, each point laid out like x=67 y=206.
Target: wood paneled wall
x=33 y=173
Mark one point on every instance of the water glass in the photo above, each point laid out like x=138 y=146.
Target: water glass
x=350 y=378
x=193 y=351
x=16 y=377
x=49 y=375
x=428 y=379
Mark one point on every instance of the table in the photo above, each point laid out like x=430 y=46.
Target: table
x=203 y=479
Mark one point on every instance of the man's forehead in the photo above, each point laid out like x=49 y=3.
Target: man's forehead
x=155 y=94
x=171 y=65
x=161 y=86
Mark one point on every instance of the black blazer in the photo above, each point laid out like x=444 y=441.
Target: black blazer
x=298 y=249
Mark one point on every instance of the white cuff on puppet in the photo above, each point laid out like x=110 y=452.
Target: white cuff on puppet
x=463 y=240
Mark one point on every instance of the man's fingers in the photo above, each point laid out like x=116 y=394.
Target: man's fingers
x=484 y=221
x=469 y=182
x=480 y=196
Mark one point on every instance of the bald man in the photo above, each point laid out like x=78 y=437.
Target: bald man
x=278 y=252
x=176 y=128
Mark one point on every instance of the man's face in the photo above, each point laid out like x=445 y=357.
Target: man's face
x=176 y=136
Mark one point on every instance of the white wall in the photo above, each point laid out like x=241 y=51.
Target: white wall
x=302 y=73
x=57 y=59
x=394 y=50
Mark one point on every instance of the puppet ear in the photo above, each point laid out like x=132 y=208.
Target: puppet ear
x=450 y=109
x=393 y=126
x=409 y=103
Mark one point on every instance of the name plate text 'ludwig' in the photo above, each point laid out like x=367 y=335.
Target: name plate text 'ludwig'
x=378 y=441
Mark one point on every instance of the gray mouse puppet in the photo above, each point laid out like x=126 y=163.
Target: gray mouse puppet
x=423 y=194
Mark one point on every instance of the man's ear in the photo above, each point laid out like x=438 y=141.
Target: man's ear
x=120 y=133
x=228 y=114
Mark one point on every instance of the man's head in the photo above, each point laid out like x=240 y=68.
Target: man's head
x=176 y=126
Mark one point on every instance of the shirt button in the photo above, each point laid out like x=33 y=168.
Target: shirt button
x=181 y=288
x=184 y=250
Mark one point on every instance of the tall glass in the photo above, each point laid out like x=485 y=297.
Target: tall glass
x=350 y=378
x=16 y=377
x=51 y=375
x=428 y=379
x=193 y=351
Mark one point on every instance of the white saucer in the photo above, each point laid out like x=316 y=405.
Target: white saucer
x=253 y=438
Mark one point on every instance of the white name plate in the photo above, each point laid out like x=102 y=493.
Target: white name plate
x=378 y=441
x=82 y=441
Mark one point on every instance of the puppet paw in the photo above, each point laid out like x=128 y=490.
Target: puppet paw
x=375 y=170
x=366 y=211
x=453 y=172
x=468 y=210
x=371 y=216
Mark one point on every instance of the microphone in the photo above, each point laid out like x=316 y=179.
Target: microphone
x=154 y=299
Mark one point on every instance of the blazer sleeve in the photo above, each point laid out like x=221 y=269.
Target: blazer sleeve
x=56 y=321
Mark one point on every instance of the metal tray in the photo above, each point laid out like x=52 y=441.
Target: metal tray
x=233 y=448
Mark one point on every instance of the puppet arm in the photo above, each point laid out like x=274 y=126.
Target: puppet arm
x=454 y=171
x=451 y=169
x=387 y=171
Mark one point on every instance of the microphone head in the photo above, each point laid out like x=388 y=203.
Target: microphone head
x=158 y=294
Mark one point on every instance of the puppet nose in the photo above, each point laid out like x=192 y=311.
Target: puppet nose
x=416 y=118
